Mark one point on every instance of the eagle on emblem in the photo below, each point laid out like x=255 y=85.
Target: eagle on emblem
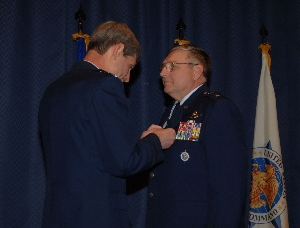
x=263 y=182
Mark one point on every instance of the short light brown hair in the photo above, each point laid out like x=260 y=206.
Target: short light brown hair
x=111 y=33
x=198 y=55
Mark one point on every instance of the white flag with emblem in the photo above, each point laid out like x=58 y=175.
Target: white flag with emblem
x=268 y=205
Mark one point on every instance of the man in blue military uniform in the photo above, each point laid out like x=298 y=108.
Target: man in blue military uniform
x=86 y=135
x=202 y=181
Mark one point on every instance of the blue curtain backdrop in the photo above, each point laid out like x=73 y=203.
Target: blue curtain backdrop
x=36 y=48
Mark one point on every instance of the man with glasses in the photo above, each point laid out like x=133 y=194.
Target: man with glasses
x=202 y=181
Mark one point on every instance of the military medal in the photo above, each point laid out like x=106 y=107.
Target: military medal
x=189 y=131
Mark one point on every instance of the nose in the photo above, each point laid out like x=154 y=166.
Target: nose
x=127 y=77
x=164 y=72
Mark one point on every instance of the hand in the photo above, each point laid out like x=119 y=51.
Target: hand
x=166 y=136
x=154 y=127
x=147 y=132
x=150 y=130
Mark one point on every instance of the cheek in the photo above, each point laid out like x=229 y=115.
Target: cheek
x=178 y=82
x=123 y=71
x=126 y=70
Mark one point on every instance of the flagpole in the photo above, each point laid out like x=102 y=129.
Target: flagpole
x=82 y=39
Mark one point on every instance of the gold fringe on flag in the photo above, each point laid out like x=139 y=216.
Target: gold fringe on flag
x=265 y=48
x=86 y=38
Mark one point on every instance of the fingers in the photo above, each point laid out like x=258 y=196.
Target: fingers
x=145 y=133
x=154 y=127
x=166 y=136
x=150 y=130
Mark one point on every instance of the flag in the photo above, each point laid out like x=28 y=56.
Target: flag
x=82 y=44
x=268 y=205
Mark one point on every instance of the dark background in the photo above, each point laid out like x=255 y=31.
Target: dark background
x=36 y=48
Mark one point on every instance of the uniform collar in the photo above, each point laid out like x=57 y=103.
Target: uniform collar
x=194 y=95
x=189 y=94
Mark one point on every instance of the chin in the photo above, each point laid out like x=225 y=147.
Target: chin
x=166 y=90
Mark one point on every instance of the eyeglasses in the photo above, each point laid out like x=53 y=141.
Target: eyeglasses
x=169 y=66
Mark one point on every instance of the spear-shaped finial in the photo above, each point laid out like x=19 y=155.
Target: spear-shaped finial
x=82 y=39
x=264 y=46
x=180 y=25
x=80 y=15
x=181 y=40
x=263 y=32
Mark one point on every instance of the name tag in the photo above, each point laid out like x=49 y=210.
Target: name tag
x=189 y=131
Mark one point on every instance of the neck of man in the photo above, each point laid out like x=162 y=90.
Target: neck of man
x=100 y=61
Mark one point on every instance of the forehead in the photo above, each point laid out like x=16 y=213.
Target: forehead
x=176 y=55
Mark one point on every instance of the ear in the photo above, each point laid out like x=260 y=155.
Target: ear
x=198 y=70
x=118 y=50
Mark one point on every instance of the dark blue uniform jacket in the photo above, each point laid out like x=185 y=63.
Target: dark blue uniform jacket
x=89 y=149
x=201 y=183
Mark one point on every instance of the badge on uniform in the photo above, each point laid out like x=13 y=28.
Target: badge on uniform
x=184 y=156
x=189 y=131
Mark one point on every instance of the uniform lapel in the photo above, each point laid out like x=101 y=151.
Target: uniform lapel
x=188 y=105
x=186 y=108
x=176 y=117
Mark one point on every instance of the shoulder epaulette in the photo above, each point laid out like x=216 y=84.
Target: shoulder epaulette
x=212 y=95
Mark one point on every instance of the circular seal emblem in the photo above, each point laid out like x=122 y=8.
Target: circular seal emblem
x=267 y=196
x=184 y=156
